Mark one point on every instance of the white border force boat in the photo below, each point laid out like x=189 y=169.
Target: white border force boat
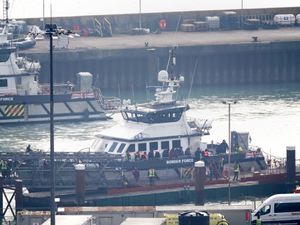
x=24 y=100
x=157 y=126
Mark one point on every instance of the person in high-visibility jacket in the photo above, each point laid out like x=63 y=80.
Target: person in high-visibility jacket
x=236 y=169
x=152 y=175
x=4 y=168
x=258 y=221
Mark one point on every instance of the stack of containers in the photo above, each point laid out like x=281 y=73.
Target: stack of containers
x=188 y=25
x=229 y=20
x=201 y=26
x=213 y=22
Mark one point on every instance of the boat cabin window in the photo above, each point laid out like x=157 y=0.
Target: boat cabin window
x=165 y=145
x=176 y=144
x=3 y=82
x=153 y=117
x=99 y=144
x=131 y=148
x=113 y=146
x=287 y=207
x=121 y=148
x=153 y=146
x=4 y=57
x=142 y=147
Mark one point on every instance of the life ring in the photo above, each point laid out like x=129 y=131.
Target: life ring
x=162 y=24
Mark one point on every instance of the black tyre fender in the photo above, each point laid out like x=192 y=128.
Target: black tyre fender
x=223 y=222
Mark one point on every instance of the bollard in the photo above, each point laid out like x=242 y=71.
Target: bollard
x=80 y=183
x=19 y=195
x=291 y=166
x=200 y=177
x=1 y=199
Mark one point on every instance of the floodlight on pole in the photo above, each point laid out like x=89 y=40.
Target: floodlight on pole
x=229 y=103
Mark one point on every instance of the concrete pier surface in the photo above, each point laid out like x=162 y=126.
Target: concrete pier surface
x=208 y=58
x=170 y=39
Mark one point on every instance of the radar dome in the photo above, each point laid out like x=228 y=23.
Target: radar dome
x=163 y=76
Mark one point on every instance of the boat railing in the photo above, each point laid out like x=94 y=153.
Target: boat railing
x=111 y=104
x=202 y=126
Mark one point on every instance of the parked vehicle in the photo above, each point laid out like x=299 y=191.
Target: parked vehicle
x=285 y=19
x=280 y=208
x=298 y=19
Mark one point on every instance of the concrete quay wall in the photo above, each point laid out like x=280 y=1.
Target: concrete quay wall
x=125 y=23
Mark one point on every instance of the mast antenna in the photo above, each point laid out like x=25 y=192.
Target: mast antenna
x=5 y=10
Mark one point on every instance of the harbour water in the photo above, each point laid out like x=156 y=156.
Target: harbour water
x=271 y=113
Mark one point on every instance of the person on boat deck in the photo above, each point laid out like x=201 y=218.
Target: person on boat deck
x=180 y=151
x=144 y=156
x=152 y=176
x=165 y=153
x=222 y=147
x=221 y=165
x=240 y=149
x=136 y=174
x=157 y=155
x=172 y=153
x=236 y=170
x=28 y=149
x=198 y=154
x=128 y=156
x=213 y=170
x=137 y=156
x=188 y=152
x=150 y=154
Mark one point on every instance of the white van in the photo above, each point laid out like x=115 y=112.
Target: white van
x=285 y=19
x=280 y=208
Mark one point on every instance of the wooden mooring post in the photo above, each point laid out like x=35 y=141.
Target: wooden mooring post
x=199 y=182
x=80 y=183
x=291 y=167
x=19 y=195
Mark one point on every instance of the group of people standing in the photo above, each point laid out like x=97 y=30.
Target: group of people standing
x=155 y=154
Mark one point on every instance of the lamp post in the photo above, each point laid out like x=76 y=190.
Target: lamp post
x=50 y=30
x=229 y=103
x=242 y=13
x=140 y=14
